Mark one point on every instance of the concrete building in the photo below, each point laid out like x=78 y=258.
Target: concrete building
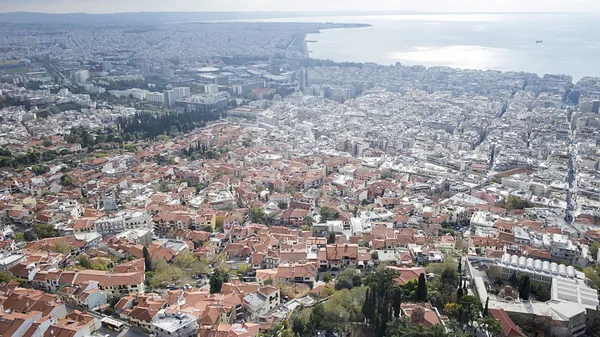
x=174 y=324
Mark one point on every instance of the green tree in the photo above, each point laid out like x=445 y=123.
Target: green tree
x=486 y=311
x=5 y=277
x=422 y=289
x=66 y=180
x=325 y=214
x=19 y=236
x=62 y=247
x=84 y=261
x=309 y=220
x=331 y=239
x=317 y=317
x=327 y=277
x=44 y=231
x=594 y=250
x=147 y=259
x=524 y=287
x=375 y=255
x=299 y=326
x=382 y=288
x=470 y=309
x=216 y=281
x=490 y=325
x=29 y=235
x=258 y=215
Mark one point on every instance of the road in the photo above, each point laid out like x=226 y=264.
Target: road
x=102 y=332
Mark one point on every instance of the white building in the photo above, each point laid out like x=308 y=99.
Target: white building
x=174 y=324
x=155 y=97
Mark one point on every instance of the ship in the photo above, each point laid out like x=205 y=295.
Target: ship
x=539 y=41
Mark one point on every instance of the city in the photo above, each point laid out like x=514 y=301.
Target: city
x=212 y=179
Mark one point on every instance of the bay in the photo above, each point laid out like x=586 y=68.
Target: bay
x=571 y=42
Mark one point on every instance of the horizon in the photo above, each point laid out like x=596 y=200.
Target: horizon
x=228 y=6
x=328 y=12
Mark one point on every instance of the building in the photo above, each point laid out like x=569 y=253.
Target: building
x=142 y=236
x=338 y=256
x=562 y=249
x=211 y=89
x=509 y=329
x=81 y=76
x=173 y=95
x=246 y=88
x=175 y=324
x=155 y=97
x=262 y=302
x=122 y=222
x=106 y=66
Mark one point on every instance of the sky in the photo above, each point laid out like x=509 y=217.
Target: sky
x=118 y=6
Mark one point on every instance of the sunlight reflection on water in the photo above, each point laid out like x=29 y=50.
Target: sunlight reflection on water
x=466 y=57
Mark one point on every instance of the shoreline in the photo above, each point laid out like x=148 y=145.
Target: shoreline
x=307 y=55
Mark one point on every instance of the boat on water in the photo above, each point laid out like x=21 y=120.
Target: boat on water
x=539 y=41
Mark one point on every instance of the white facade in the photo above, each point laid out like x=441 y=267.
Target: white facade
x=156 y=97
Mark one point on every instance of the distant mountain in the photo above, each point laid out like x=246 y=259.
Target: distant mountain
x=165 y=17
x=160 y=17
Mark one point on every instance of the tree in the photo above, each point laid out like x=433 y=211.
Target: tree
x=343 y=283
x=147 y=259
x=44 y=231
x=422 y=289
x=325 y=214
x=5 y=277
x=282 y=205
x=299 y=326
x=459 y=294
x=84 y=261
x=309 y=220
x=486 y=311
x=594 y=250
x=258 y=215
x=470 y=308
x=19 y=236
x=66 y=180
x=382 y=288
x=243 y=269
x=327 y=277
x=62 y=247
x=317 y=316
x=374 y=255
x=490 y=325
x=29 y=235
x=216 y=281
x=388 y=175
x=524 y=287
x=47 y=142
x=514 y=202
x=331 y=238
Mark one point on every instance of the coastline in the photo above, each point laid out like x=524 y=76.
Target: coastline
x=575 y=75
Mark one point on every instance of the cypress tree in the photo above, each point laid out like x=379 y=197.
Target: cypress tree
x=485 y=310
x=422 y=289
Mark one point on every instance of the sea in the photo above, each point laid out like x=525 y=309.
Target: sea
x=537 y=43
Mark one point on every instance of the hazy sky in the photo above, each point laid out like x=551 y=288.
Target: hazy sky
x=115 y=6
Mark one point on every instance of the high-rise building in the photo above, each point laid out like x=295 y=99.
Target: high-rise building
x=156 y=97
x=211 y=88
x=81 y=76
x=106 y=66
x=147 y=68
x=168 y=72
x=175 y=94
